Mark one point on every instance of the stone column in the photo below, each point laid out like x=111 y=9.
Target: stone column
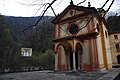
x=56 y=62
x=74 y=62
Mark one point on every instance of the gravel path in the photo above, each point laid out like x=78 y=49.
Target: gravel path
x=50 y=75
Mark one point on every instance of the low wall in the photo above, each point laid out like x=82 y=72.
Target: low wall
x=23 y=69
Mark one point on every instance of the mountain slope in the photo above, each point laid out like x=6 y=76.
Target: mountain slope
x=17 y=24
x=113 y=24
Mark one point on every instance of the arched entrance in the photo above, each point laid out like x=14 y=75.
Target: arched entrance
x=118 y=59
x=61 y=58
x=70 y=59
x=78 y=57
x=79 y=54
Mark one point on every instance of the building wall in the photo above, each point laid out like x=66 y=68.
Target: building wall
x=63 y=57
x=99 y=43
x=107 y=46
x=100 y=54
x=113 y=49
x=56 y=31
x=86 y=58
x=81 y=23
x=104 y=53
x=56 y=61
x=62 y=29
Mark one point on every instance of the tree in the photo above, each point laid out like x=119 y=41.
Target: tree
x=40 y=38
x=113 y=23
x=8 y=47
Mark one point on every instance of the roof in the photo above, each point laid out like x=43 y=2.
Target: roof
x=114 y=32
x=85 y=10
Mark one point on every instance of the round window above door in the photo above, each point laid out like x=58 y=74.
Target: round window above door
x=73 y=29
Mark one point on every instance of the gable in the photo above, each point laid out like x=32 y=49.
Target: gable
x=73 y=11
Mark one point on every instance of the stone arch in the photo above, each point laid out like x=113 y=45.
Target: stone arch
x=61 y=56
x=79 y=47
x=78 y=43
x=65 y=44
x=57 y=46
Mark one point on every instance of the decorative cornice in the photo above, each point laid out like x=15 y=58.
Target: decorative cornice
x=81 y=37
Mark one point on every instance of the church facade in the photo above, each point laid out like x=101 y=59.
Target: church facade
x=81 y=40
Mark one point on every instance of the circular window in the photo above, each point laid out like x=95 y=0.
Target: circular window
x=73 y=29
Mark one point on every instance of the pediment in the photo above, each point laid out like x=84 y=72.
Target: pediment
x=72 y=11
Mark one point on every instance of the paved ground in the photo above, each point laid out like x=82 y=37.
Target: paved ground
x=50 y=75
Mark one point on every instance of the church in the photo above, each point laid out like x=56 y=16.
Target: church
x=81 y=39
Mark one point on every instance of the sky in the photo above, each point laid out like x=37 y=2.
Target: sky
x=27 y=8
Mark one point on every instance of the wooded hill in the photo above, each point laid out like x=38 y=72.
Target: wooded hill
x=28 y=35
x=12 y=39
x=113 y=23
x=8 y=47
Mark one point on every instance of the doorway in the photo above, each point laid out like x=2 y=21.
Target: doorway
x=79 y=57
x=118 y=59
x=71 y=60
x=76 y=60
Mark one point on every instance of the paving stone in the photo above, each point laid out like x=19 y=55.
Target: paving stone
x=51 y=75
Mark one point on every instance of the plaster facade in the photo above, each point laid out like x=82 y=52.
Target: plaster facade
x=81 y=40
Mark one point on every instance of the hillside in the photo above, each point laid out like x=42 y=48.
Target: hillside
x=17 y=24
x=40 y=39
x=113 y=24
x=8 y=47
x=37 y=38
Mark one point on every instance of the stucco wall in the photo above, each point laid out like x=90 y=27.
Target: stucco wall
x=113 y=41
x=86 y=59
x=107 y=45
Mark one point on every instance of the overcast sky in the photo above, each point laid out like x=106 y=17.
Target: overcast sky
x=25 y=7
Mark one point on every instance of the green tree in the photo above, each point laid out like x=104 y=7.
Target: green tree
x=8 y=47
